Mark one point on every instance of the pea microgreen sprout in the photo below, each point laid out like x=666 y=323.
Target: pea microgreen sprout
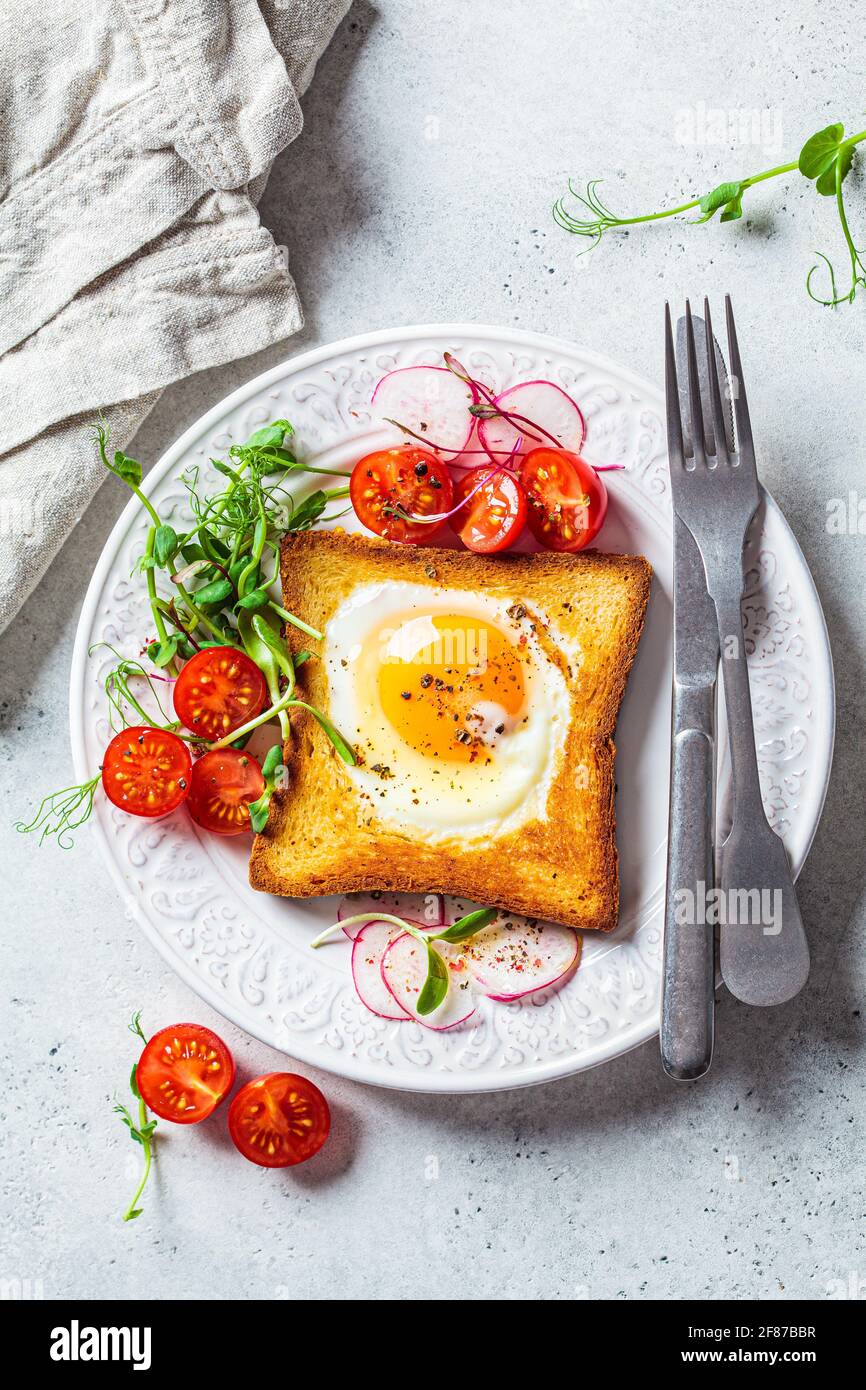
x=61 y=813
x=435 y=987
x=221 y=571
x=141 y=1129
x=825 y=159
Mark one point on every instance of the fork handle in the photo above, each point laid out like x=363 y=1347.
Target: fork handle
x=688 y=994
x=747 y=799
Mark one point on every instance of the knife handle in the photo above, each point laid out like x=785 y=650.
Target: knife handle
x=688 y=991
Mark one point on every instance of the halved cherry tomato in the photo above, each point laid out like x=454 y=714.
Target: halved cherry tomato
x=218 y=690
x=279 y=1120
x=495 y=514
x=224 y=782
x=146 y=771
x=412 y=479
x=184 y=1073
x=567 y=501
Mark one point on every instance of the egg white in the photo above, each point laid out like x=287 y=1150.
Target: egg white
x=436 y=799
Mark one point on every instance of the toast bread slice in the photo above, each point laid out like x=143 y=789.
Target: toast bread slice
x=321 y=837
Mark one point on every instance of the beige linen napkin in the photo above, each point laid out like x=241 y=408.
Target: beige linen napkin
x=135 y=142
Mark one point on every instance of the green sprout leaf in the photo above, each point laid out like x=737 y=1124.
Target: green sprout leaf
x=820 y=151
x=307 y=513
x=733 y=210
x=259 y=652
x=273 y=771
x=225 y=469
x=270 y=436
x=216 y=592
x=264 y=452
x=727 y=196
x=826 y=182
x=126 y=468
x=257 y=598
x=161 y=653
x=272 y=764
x=275 y=644
x=164 y=545
x=212 y=546
x=468 y=926
x=435 y=987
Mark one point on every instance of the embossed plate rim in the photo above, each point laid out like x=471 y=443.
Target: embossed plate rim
x=347 y=1063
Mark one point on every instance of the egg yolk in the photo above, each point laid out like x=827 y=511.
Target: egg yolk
x=451 y=685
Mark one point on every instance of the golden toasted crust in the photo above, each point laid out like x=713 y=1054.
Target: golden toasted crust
x=322 y=838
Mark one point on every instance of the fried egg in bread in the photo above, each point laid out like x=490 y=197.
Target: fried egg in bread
x=455 y=711
x=527 y=823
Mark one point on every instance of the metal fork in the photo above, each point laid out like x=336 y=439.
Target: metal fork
x=764 y=955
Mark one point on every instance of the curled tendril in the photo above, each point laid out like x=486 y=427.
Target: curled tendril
x=858 y=278
x=62 y=813
x=602 y=218
x=119 y=693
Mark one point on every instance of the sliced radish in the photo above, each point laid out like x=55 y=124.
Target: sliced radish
x=423 y=910
x=404 y=970
x=431 y=401
x=512 y=959
x=368 y=949
x=544 y=404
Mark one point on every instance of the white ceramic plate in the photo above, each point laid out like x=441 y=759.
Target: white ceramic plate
x=246 y=953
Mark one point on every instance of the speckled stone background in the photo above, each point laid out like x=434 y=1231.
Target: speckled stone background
x=437 y=137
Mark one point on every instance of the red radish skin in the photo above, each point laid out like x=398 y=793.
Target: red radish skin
x=404 y=970
x=511 y=960
x=368 y=949
x=542 y=403
x=432 y=402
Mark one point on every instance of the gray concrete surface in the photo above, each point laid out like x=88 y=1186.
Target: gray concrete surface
x=437 y=138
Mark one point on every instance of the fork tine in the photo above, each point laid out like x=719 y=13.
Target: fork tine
x=745 y=445
x=697 y=431
x=672 y=395
x=719 y=430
